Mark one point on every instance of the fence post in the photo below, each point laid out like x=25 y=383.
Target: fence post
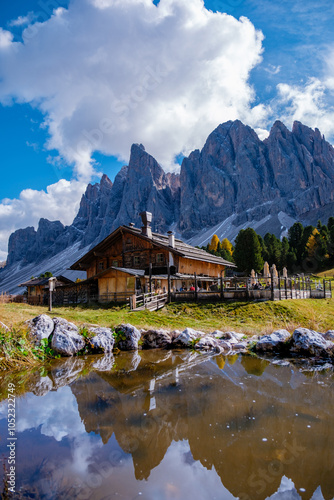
x=324 y=282
x=221 y=286
x=279 y=287
x=330 y=287
x=150 y=277
x=247 y=289
x=291 y=287
x=272 y=286
x=169 y=284
x=195 y=284
x=286 y=288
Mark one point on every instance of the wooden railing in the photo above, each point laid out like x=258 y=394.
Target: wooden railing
x=151 y=301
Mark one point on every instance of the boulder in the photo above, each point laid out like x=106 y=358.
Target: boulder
x=276 y=341
x=232 y=337
x=310 y=343
x=102 y=339
x=66 y=339
x=41 y=327
x=218 y=334
x=329 y=335
x=188 y=336
x=208 y=343
x=155 y=339
x=240 y=346
x=127 y=337
x=224 y=346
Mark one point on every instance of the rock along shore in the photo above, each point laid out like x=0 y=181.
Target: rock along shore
x=66 y=339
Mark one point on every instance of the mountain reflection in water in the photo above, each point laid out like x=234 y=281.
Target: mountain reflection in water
x=174 y=425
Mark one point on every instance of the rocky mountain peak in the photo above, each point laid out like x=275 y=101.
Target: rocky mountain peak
x=236 y=178
x=142 y=164
x=105 y=182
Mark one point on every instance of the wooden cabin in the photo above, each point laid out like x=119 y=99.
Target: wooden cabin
x=38 y=289
x=133 y=261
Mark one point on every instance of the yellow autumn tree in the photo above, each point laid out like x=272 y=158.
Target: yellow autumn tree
x=312 y=243
x=214 y=243
x=227 y=245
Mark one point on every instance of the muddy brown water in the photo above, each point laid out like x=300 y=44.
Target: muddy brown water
x=160 y=425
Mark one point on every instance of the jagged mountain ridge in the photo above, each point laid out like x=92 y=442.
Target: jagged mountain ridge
x=235 y=181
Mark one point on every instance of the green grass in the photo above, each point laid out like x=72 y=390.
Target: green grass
x=16 y=350
x=329 y=274
x=245 y=317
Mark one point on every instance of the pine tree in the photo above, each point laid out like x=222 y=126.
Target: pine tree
x=285 y=247
x=295 y=238
x=274 y=249
x=247 y=252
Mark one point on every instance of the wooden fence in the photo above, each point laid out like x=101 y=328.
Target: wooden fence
x=246 y=288
x=151 y=301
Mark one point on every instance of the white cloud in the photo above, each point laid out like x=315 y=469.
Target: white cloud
x=22 y=20
x=108 y=73
x=6 y=38
x=60 y=201
x=308 y=103
x=272 y=70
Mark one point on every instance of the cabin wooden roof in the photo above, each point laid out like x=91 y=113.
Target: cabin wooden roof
x=158 y=240
x=60 y=280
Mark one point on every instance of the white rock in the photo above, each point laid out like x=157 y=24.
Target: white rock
x=273 y=342
x=66 y=339
x=102 y=340
x=187 y=336
x=329 y=335
x=207 y=343
x=305 y=341
x=129 y=337
x=41 y=327
x=240 y=346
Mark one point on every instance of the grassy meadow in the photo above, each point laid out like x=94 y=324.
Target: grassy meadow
x=246 y=317
x=17 y=352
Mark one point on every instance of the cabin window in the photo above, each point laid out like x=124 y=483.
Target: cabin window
x=101 y=266
x=115 y=263
x=160 y=258
x=136 y=260
x=32 y=289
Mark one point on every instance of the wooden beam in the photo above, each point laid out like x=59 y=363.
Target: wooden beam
x=99 y=254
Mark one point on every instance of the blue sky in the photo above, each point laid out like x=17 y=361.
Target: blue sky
x=57 y=78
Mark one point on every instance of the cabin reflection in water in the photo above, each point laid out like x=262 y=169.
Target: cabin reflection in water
x=253 y=423
x=231 y=427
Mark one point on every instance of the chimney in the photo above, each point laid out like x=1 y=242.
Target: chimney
x=171 y=238
x=132 y=224
x=146 y=218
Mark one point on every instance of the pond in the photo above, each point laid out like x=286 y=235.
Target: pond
x=160 y=425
